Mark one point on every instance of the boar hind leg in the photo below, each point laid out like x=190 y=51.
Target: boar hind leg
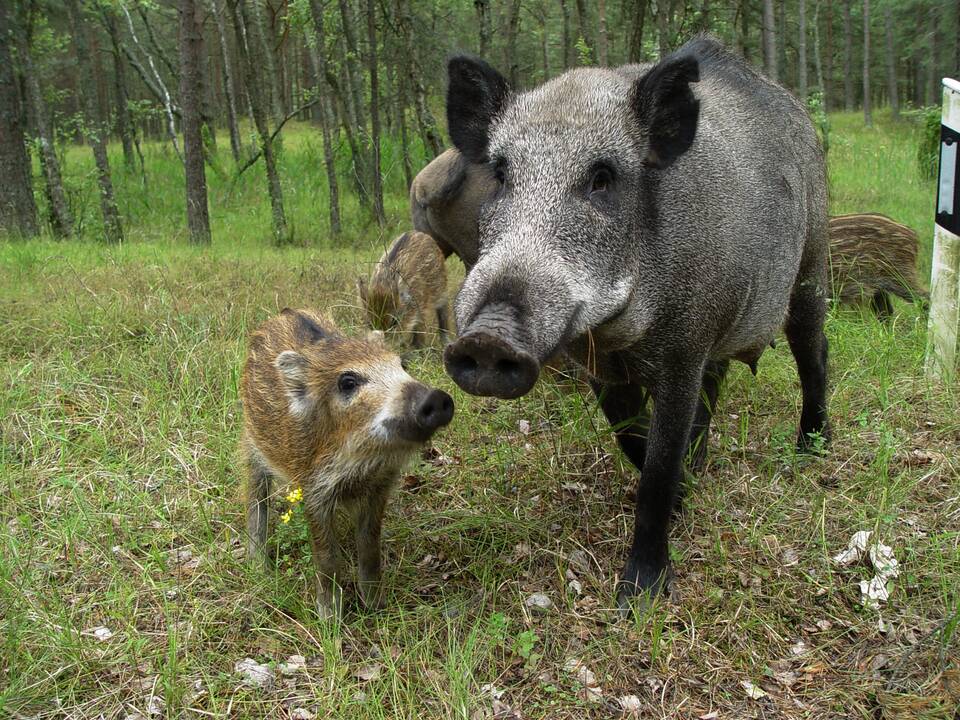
x=881 y=305
x=259 y=487
x=713 y=377
x=808 y=344
x=369 y=524
x=326 y=561
x=675 y=403
x=442 y=325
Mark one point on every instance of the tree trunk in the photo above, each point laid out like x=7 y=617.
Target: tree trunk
x=96 y=128
x=769 y=41
x=229 y=82
x=124 y=123
x=513 y=28
x=867 y=115
x=18 y=210
x=933 y=59
x=956 y=39
x=780 y=30
x=191 y=92
x=847 y=57
x=159 y=89
x=744 y=33
x=258 y=107
x=545 y=45
x=585 y=34
x=60 y=220
x=817 y=59
x=802 y=49
x=601 y=32
x=260 y=51
x=355 y=86
x=483 y=21
x=425 y=120
x=374 y=112
x=402 y=102
x=663 y=26
x=705 y=16
x=635 y=44
x=828 y=100
x=327 y=121
x=891 y=64
x=567 y=40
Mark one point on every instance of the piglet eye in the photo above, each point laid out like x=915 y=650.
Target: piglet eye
x=348 y=382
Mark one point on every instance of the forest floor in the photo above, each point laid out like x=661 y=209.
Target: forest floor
x=123 y=589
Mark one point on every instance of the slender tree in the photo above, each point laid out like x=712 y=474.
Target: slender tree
x=567 y=40
x=229 y=81
x=867 y=114
x=483 y=25
x=601 y=32
x=828 y=87
x=663 y=26
x=191 y=91
x=802 y=49
x=95 y=128
x=354 y=80
x=584 y=24
x=637 y=18
x=374 y=112
x=249 y=60
x=425 y=121
x=513 y=28
x=933 y=62
x=847 y=57
x=769 y=41
x=18 y=210
x=327 y=122
x=124 y=121
x=60 y=218
x=891 y=63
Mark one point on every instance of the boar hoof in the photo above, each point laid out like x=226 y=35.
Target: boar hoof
x=640 y=585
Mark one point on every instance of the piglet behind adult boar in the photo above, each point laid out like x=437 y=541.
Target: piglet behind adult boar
x=654 y=222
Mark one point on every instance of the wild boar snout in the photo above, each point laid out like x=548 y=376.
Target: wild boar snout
x=489 y=360
x=427 y=410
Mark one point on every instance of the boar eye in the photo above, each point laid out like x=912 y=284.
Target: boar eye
x=601 y=181
x=348 y=382
x=500 y=171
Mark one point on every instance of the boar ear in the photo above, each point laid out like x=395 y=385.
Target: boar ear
x=666 y=107
x=476 y=94
x=293 y=372
x=306 y=330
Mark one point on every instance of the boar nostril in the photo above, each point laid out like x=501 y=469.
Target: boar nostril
x=505 y=366
x=488 y=364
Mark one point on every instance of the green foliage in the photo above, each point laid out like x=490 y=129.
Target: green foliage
x=928 y=140
x=820 y=118
x=584 y=52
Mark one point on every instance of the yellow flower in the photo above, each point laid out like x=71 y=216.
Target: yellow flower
x=285 y=518
x=295 y=496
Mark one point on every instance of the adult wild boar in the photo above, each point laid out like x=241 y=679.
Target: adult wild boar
x=655 y=222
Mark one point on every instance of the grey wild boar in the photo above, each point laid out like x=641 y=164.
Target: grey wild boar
x=445 y=201
x=655 y=222
x=408 y=285
x=338 y=418
x=872 y=256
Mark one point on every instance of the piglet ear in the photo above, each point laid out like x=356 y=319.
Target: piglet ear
x=666 y=107
x=293 y=373
x=306 y=329
x=476 y=94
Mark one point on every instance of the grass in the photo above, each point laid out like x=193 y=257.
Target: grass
x=120 y=501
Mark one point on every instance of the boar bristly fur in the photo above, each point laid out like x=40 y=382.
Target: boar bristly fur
x=407 y=287
x=337 y=417
x=654 y=222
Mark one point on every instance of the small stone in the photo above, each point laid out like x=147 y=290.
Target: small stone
x=580 y=561
x=301 y=714
x=102 y=633
x=293 y=665
x=630 y=704
x=539 y=603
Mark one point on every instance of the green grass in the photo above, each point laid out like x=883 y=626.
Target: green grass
x=118 y=425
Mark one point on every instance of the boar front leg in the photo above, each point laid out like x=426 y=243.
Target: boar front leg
x=369 y=524
x=259 y=487
x=326 y=561
x=625 y=407
x=675 y=402
x=713 y=377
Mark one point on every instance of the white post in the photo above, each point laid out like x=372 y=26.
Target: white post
x=944 y=323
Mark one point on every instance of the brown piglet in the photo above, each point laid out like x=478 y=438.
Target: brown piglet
x=337 y=417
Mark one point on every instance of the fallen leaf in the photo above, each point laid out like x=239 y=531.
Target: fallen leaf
x=753 y=692
x=101 y=633
x=411 y=483
x=855 y=548
x=524 y=427
x=873 y=592
x=492 y=690
x=630 y=704
x=301 y=714
x=798 y=648
x=368 y=672
x=254 y=674
x=883 y=561
x=580 y=561
x=539 y=603
x=293 y=665
x=713 y=715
